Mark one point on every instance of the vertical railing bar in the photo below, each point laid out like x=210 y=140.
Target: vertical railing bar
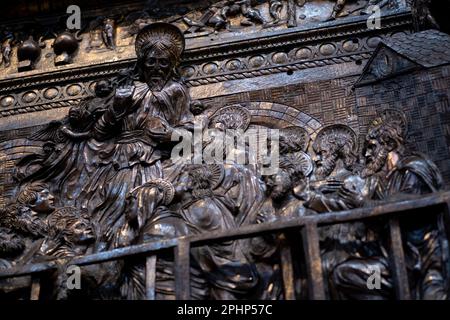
x=312 y=255
x=287 y=270
x=398 y=261
x=150 y=277
x=313 y=260
x=445 y=216
x=35 y=287
x=182 y=270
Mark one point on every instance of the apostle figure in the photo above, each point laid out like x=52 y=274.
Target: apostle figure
x=335 y=149
x=225 y=265
x=405 y=173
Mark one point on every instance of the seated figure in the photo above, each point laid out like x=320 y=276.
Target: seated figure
x=149 y=219
x=225 y=266
x=281 y=204
x=403 y=173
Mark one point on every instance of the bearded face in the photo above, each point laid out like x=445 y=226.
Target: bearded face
x=75 y=116
x=78 y=116
x=376 y=156
x=325 y=161
x=29 y=222
x=278 y=185
x=157 y=68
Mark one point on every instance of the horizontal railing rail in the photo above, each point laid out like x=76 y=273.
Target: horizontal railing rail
x=308 y=225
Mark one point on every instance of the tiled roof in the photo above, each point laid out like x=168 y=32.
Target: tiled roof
x=429 y=48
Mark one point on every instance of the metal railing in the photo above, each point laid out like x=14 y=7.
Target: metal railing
x=308 y=226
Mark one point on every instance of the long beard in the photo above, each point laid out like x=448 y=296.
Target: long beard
x=156 y=83
x=274 y=194
x=326 y=168
x=377 y=164
x=156 y=78
x=277 y=196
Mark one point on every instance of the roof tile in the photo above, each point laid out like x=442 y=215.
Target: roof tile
x=429 y=48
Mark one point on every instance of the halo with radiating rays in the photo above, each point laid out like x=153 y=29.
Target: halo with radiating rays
x=160 y=31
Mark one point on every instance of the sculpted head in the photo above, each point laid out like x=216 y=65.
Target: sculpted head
x=204 y=178
x=37 y=197
x=200 y=177
x=103 y=88
x=79 y=114
x=73 y=227
x=333 y=143
x=159 y=47
x=294 y=168
x=382 y=139
x=23 y=214
x=278 y=185
x=235 y=117
x=293 y=139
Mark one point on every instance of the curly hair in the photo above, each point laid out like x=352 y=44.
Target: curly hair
x=229 y=120
x=294 y=169
x=29 y=194
x=389 y=134
x=10 y=243
x=201 y=179
x=339 y=144
x=61 y=222
x=18 y=217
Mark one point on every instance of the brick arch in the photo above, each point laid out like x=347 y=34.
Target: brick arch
x=275 y=115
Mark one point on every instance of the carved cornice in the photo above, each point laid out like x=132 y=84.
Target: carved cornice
x=290 y=51
x=277 y=69
x=77 y=73
x=246 y=56
x=294 y=36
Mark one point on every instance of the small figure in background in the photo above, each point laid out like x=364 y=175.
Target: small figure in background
x=220 y=18
x=6 y=48
x=251 y=14
x=108 y=33
x=340 y=4
x=336 y=152
x=275 y=7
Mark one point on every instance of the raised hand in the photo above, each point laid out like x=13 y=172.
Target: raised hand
x=123 y=98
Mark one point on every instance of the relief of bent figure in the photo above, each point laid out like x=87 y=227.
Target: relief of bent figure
x=37 y=231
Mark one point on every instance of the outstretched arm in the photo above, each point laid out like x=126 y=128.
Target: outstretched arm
x=111 y=120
